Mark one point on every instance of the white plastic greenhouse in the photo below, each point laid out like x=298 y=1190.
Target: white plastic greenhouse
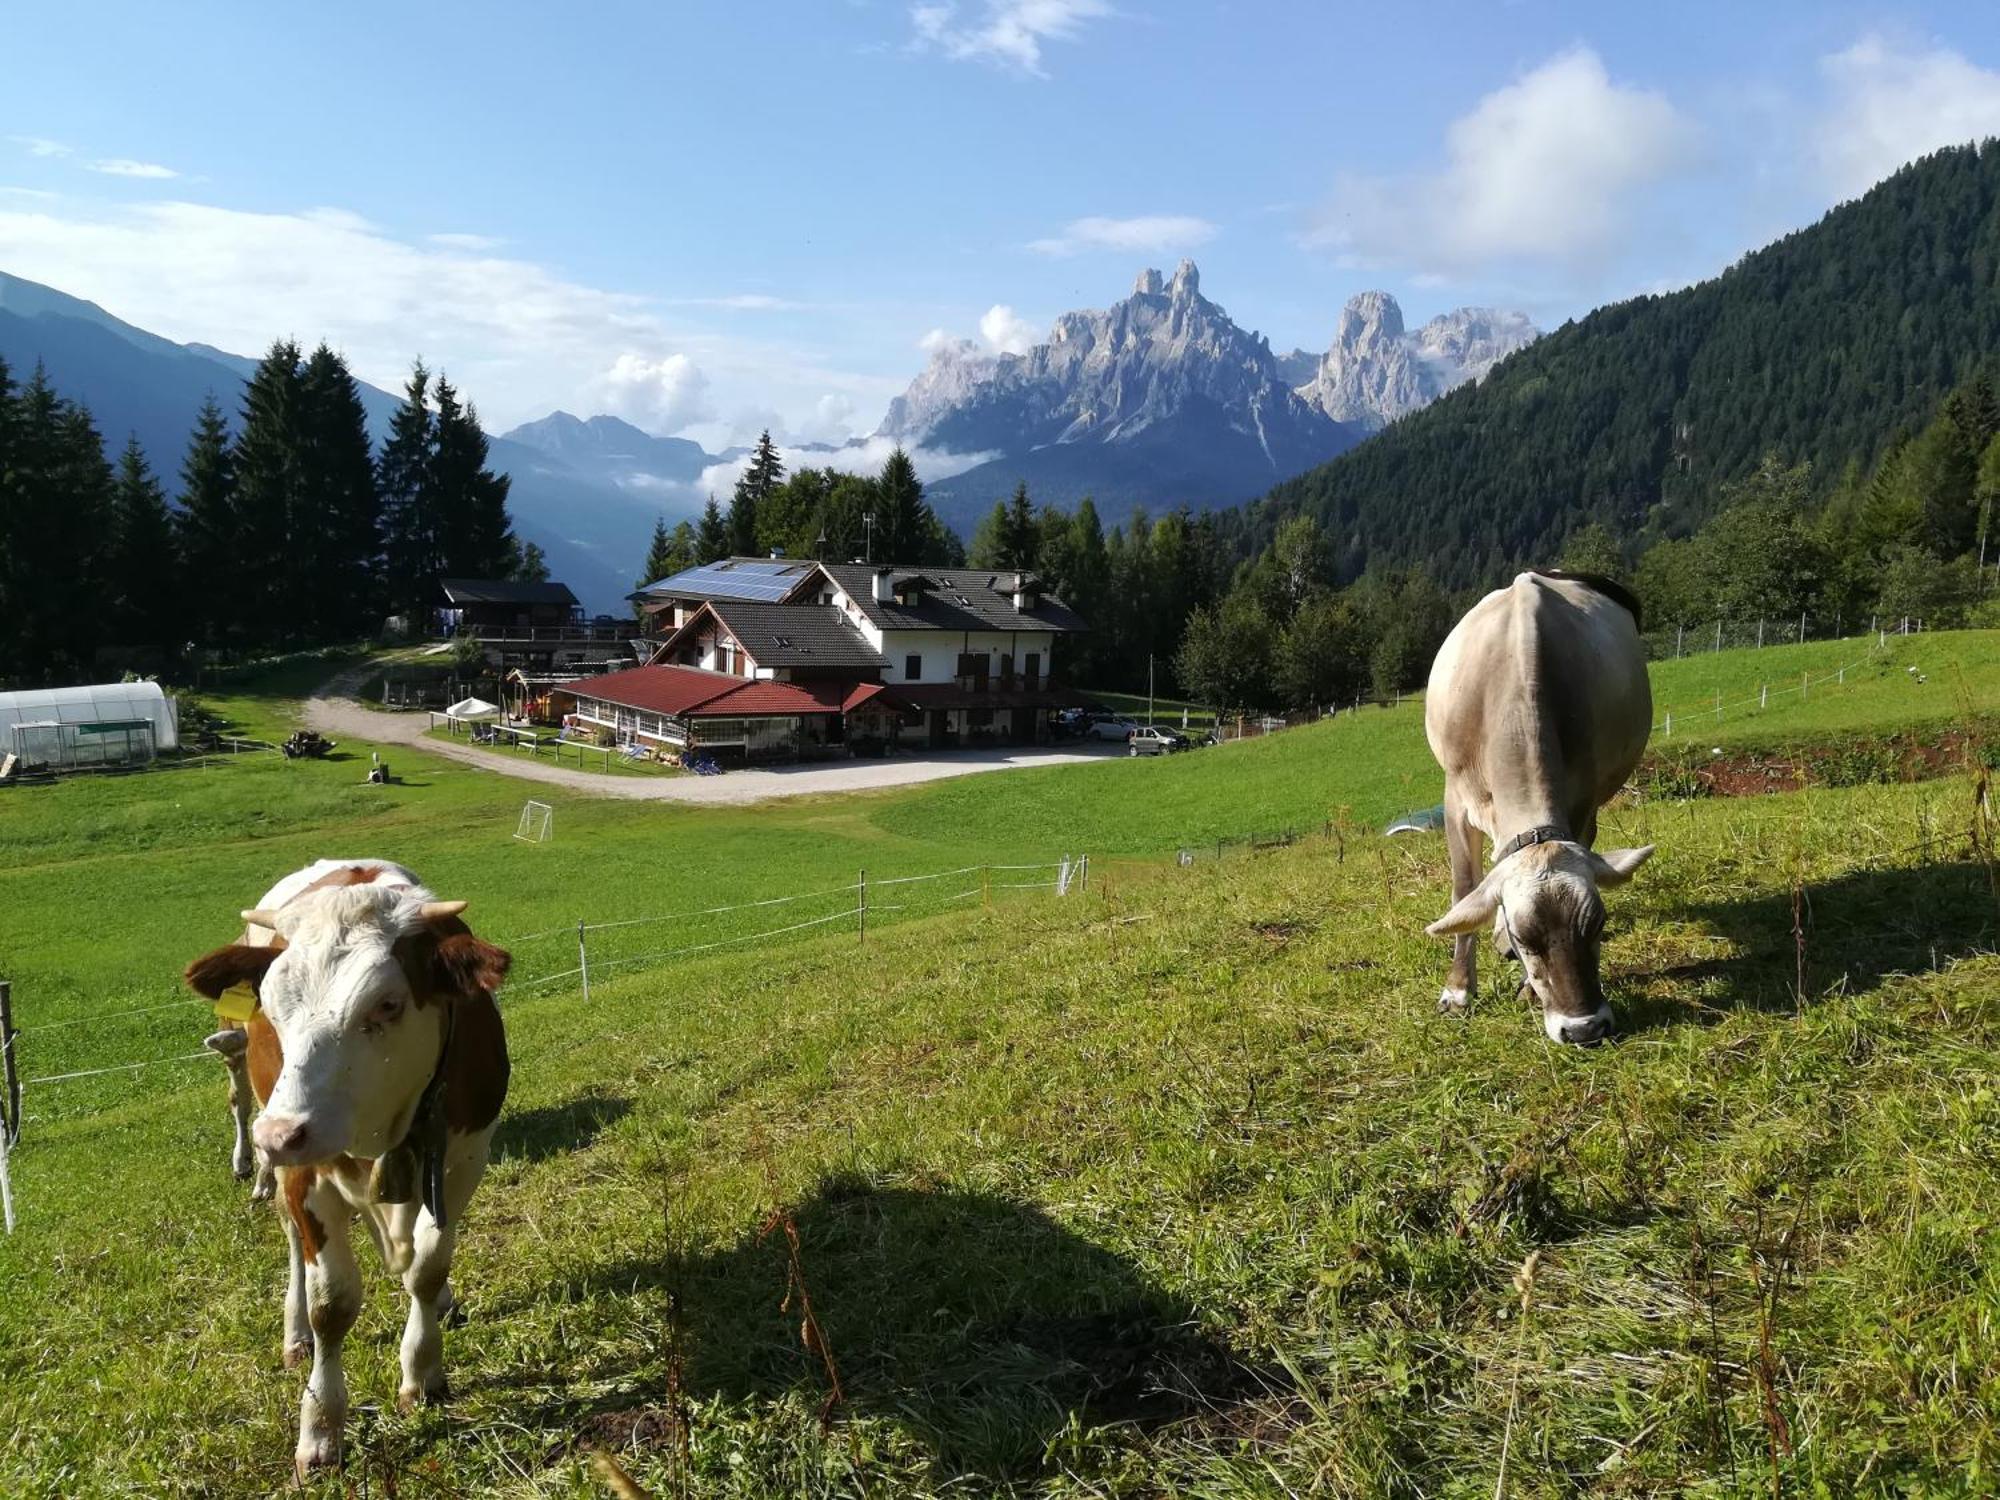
x=110 y=724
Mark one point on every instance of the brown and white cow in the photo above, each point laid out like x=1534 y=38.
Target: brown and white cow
x=380 y=1062
x=231 y=1042
x=1538 y=710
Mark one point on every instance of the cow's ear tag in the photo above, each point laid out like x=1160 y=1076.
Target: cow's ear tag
x=238 y=1003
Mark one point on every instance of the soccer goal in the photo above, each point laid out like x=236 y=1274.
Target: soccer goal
x=536 y=818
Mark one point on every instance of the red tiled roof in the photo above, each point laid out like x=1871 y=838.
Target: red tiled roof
x=693 y=693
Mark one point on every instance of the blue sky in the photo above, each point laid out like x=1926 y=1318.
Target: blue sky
x=712 y=216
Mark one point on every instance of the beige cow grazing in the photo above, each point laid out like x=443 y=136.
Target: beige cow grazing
x=1538 y=710
x=378 y=1056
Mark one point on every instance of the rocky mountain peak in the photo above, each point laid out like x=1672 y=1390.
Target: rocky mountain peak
x=1369 y=320
x=1149 y=284
x=1376 y=371
x=1186 y=284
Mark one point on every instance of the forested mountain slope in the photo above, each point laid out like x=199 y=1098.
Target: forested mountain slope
x=1821 y=347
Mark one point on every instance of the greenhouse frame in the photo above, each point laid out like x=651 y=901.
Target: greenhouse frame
x=77 y=728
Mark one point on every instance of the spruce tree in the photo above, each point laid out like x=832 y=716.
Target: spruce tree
x=274 y=577
x=759 y=479
x=659 y=556
x=411 y=557
x=207 y=531
x=143 y=599
x=1021 y=536
x=57 y=490
x=530 y=565
x=711 y=541
x=337 y=519
x=900 y=513
x=474 y=537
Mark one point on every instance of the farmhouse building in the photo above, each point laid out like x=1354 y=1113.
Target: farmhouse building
x=920 y=657
x=532 y=634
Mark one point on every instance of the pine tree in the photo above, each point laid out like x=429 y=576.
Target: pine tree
x=711 y=542
x=1021 y=538
x=274 y=578
x=474 y=537
x=530 y=564
x=58 y=521
x=412 y=559
x=901 y=517
x=143 y=602
x=337 y=519
x=659 y=557
x=759 y=479
x=207 y=531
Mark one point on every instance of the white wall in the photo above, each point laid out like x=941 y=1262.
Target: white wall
x=940 y=651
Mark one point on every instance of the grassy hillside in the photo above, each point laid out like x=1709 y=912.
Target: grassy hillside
x=1204 y=1200
x=1177 y=1187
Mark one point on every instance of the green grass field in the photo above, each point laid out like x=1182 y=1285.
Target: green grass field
x=1175 y=1187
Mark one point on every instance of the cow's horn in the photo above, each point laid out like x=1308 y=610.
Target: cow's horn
x=437 y=911
x=261 y=918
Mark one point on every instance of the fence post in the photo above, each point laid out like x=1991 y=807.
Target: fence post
x=1670 y=726
x=1805 y=681
x=1760 y=634
x=985 y=885
x=1841 y=676
x=583 y=960
x=1802 y=627
x=1718 y=635
x=1718 y=705
x=1680 y=635
x=861 y=910
x=10 y=1122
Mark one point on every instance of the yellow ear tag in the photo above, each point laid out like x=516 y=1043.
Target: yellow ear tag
x=238 y=1003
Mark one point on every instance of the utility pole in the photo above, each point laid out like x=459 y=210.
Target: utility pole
x=1149 y=688
x=868 y=530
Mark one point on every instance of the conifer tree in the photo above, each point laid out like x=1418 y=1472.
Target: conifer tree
x=474 y=539
x=337 y=519
x=530 y=565
x=206 y=526
x=901 y=516
x=141 y=563
x=759 y=479
x=659 y=556
x=711 y=541
x=1021 y=538
x=273 y=578
x=412 y=561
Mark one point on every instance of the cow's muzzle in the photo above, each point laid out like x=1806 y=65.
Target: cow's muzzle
x=286 y=1140
x=1578 y=1031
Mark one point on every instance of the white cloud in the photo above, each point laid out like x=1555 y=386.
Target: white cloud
x=1889 y=107
x=862 y=456
x=660 y=395
x=937 y=341
x=478 y=242
x=1006 y=331
x=1007 y=33
x=517 y=336
x=742 y=302
x=832 y=420
x=1156 y=234
x=1548 y=168
x=121 y=166
x=109 y=166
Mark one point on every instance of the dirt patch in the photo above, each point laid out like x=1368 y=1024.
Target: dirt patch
x=1878 y=760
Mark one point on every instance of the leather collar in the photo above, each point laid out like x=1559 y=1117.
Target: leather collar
x=1541 y=833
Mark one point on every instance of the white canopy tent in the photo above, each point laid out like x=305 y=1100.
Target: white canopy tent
x=467 y=710
x=106 y=724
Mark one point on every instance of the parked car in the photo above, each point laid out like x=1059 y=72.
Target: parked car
x=1111 y=727
x=1157 y=739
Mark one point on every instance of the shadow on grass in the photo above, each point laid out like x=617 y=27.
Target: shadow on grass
x=1860 y=927
x=532 y=1135
x=975 y=1322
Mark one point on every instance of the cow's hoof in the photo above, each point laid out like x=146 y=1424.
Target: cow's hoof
x=1453 y=1002
x=410 y=1397
x=264 y=1190
x=315 y=1455
x=298 y=1354
x=244 y=1171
